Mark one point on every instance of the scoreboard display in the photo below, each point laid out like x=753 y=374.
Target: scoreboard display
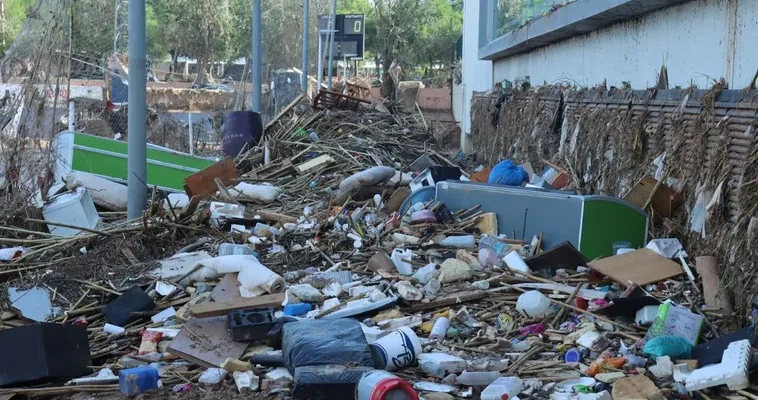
x=350 y=35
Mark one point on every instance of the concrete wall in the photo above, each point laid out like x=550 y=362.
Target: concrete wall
x=477 y=75
x=698 y=41
x=458 y=102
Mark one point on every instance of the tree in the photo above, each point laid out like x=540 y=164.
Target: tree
x=201 y=30
x=12 y=17
x=441 y=27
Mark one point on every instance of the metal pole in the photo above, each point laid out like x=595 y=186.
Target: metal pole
x=332 y=29
x=191 y=135
x=137 y=180
x=344 y=73
x=71 y=116
x=320 y=72
x=306 y=32
x=257 y=80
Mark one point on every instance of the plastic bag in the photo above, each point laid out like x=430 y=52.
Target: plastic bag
x=672 y=346
x=261 y=193
x=508 y=173
x=369 y=177
x=330 y=342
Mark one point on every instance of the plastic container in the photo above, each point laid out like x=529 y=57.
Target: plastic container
x=534 y=304
x=515 y=262
x=381 y=385
x=646 y=315
x=575 y=355
x=398 y=349
x=494 y=244
x=398 y=257
x=441 y=365
x=503 y=389
x=134 y=381
x=477 y=378
x=229 y=249
x=297 y=309
x=439 y=330
x=427 y=273
x=467 y=241
x=75 y=208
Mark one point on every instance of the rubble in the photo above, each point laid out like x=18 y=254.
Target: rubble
x=306 y=273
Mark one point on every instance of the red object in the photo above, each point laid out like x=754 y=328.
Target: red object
x=581 y=303
x=386 y=386
x=534 y=329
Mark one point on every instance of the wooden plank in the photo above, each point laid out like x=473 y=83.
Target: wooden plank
x=202 y=183
x=641 y=267
x=272 y=216
x=223 y=307
x=315 y=162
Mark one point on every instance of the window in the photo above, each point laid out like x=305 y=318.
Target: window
x=511 y=14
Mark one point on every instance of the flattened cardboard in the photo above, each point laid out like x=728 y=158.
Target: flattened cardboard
x=208 y=344
x=665 y=201
x=642 y=267
x=206 y=341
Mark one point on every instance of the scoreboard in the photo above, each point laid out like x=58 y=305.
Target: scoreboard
x=350 y=35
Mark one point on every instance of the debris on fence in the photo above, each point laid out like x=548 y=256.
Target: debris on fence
x=320 y=264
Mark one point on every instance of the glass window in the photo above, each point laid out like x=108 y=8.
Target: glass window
x=511 y=14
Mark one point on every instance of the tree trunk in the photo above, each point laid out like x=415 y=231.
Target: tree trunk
x=200 y=79
x=388 y=85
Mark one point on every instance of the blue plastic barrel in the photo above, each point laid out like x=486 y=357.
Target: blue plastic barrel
x=242 y=129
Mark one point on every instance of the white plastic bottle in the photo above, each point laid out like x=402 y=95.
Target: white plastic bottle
x=477 y=378
x=534 y=304
x=507 y=387
x=427 y=273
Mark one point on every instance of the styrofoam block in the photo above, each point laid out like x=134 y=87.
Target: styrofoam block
x=732 y=371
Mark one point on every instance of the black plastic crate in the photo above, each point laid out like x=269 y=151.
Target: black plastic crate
x=250 y=325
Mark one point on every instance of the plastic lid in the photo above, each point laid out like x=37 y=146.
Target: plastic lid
x=394 y=388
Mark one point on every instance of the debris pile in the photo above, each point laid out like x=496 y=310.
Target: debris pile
x=347 y=257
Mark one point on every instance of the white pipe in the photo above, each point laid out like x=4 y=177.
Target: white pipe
x=71 y=116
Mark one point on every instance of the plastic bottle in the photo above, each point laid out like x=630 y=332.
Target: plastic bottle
x=597 y=366
x=427 y=273
x=229 y=249
x=467 y=241
x=439 y=330
x=382 y=385
x=398 y=257
x=477 y=378
x=534 y=304
x=503 y=388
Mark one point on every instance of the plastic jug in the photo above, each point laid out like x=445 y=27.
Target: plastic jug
x=382 y=385
x=398 y=257
x=427 y=273
x=503 y=388
x=477 y=378
x=534 y=304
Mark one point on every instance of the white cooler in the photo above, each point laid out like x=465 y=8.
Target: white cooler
x=73 y=208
